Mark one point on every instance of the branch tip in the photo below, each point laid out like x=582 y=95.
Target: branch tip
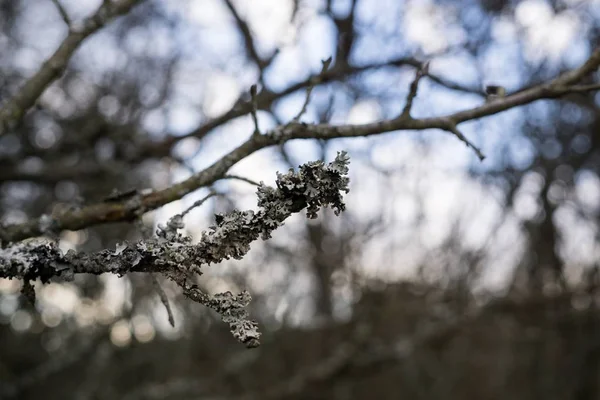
x=414 y=86
x=313 y=82
x=456 y=132
x=163 y=299
x=254 y=109
x=63 y=13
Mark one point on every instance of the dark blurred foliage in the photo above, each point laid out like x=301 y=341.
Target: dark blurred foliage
x=333 y=328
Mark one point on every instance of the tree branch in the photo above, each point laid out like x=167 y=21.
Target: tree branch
x=315 y=185
x=254 y=109
x=15 y=108
x=129 y=210
x=248 y=38
x=266 y=98
x=412 y=92
x=164 y=299
x=241 y=178
x=63 y=13
x=324 y=67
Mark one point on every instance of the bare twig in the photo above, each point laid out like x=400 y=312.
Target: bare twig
x=254 y=108
x=183 y=162
x=315 y=81
x=198 y=203
x=346 y=34
x=454 y=130
x=241 y=178
x=266 y=98
x=412 y=92
x=582 y=88
x=28 y=291
x=249 y=43
x=63 y=13
x=113 y=212
x=3 y=236
x=55 y=172
x=15 y=108
x=163 y=299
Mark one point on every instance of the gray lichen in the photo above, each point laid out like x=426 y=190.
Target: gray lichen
x=173 y=254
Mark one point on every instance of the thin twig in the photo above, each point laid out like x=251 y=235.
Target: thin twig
x=249 y=42
x=241 y=178
x=314 y=81
x=181 y=161
x=454 y=130
x=412 y=92
x=254 y=108
x=582 y=88
x=163 y=299
x=63 y=13
x=198 y=203
x=267 y=98
x=28 y=291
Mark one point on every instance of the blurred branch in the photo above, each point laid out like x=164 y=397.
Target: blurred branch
x=249 y=42
x=245 y=31
x=414 y=86
x=164 y=299
x=265 y=99
x=53 y=173
x=452 y=128
x=15 y=108
x=315 y=81
x=582 y=88
x=555 y=88
x=241 y=178
x=63 y=13
x=198 y=203
x=321 y=372
x=125 y=211
x=346 y=35
x=254 y=109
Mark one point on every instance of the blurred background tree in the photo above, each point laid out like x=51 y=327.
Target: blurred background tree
x=446 y=277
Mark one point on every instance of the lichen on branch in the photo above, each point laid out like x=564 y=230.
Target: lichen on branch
x=313 y=186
